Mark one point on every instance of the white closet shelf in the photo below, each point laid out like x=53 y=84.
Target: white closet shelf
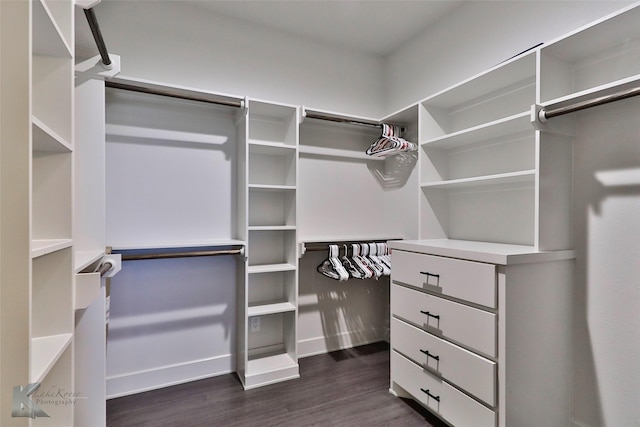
x=137 y=132
x=517 y=123
x=48 y=39
x=83 y=259
x=271 y=227
x=271 y=187
x=597 y=37
x=493 y=253
x=269 y=147
x=270 y=268
x=46 y=139
x=595 y=92
x=477 y=181
x=45 y=352
x=125 y=246
x=265 y=364
x=270 y=308
x=309 y=150
x=516 y=70
x=40 y=247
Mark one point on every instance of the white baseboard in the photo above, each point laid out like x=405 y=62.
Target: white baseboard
x=323 y=344
x=165 y=376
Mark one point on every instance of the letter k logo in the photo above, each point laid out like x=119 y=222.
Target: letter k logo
x=23 y=406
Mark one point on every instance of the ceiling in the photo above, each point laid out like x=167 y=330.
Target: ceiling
x=370 y=26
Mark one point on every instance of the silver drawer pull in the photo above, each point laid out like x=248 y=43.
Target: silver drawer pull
x=435 y=316
x=430 y=355
x=426 y=273
x=437 y=398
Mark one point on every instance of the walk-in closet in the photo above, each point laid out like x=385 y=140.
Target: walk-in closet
x=319 y=213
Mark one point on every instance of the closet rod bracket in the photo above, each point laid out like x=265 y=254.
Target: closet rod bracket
x=110 y=266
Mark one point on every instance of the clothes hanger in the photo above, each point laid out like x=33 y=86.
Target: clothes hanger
x=349 y=266
x=331 y=266
x=390 y=143
x=373 y=255
x=361 y=262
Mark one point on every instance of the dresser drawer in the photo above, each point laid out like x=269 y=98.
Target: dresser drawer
x=466 y=280
x=451 y=404
x=466 y=325
x=467 y=370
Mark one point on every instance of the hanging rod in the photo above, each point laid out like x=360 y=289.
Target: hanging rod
x=104 y=268
x=97 y=36
x=185 y=254
x=152 y=89
x=545 y=114
x=341 y=119
x=313 y=247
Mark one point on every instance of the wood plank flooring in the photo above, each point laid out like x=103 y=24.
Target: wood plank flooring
x=343 y=388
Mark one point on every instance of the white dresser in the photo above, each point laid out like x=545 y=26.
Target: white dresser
x=481 y=332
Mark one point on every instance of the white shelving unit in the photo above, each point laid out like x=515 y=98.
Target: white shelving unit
x=496 y=191
x=36 y=200
x=52 y=329
x=486 y=173
x=267 y=298
x=601 y=56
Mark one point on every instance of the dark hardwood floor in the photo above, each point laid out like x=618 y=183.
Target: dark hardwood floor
x=343 y=388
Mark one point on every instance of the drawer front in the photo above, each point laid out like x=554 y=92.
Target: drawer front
x=466 y=325
x=454 y=406
x=467 y=370
x=466 y=280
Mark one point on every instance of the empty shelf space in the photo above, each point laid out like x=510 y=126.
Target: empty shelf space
x=595 y=92
x=46 y=139
x=496 y=179
x=262 y=309
x=262 y=364
x=45 y=353
x=512 y=72
x=497 y=129
x=268 y=147
x=48 y=39
x=270 y=268
x=137 y=132
x=46 y=246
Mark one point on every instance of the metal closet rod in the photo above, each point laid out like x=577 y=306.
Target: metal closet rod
x=545 y=114
x=227 y=101
x=97 y=36
x=184 y=254
x=338 y=119
x=104 y=268
x=325 y=246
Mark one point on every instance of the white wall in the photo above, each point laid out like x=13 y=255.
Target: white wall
x=181 y=44
x=477 y=36
x=607 y=230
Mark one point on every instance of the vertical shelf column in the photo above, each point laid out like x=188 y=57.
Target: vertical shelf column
x=268 y=320
x=52 y=266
